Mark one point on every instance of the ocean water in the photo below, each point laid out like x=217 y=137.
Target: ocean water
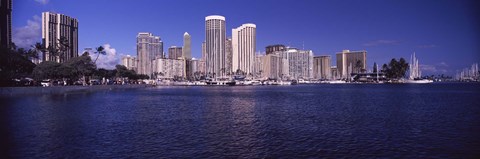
x=300 y=121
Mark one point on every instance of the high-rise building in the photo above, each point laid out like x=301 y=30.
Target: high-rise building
x=229 y=52
x=149 y=48
x=61 y=32
x=204 y=51
x=351 y=62
x=215 y=36
x=5 y=23
x=272 y=64
x=321 y=67
x=130 y=62
x=194 y=69
x=274 y=48
x=187 y=49
x=201 y=63
x=300 y=63
x=201 y=66
x=244 y=45
x=175 y=52
x=257 y=67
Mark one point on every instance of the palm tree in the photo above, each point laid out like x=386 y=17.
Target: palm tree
x=62 y=47
x=403 y=67
x=38 y=47
x=100 y=50
x=53 y=52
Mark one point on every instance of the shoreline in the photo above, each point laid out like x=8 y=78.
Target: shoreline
x=15 y=91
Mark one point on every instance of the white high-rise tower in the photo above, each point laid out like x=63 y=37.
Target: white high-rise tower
x=215 y=37
x=149 y=48
x=59 y=31
x=243 y=46
x=187 y=51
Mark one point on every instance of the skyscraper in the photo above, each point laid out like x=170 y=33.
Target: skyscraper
x=244 y=45
x=229 y=52
x=5 y=23
x=175 y=52
x=215 y=36
x=149 y=47
x=204 y=51
x=187 y=49
x=201 y=63
x=351 y=62
x=61 y=32
x=321 y=67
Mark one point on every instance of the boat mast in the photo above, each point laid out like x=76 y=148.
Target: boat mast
x=377 y=71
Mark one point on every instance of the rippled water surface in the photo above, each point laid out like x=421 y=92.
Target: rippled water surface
x=399 y=121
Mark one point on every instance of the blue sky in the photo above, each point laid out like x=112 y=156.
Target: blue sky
x=444 y=34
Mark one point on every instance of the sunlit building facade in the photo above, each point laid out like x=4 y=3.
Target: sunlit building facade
x=244 y=45
x=175 y=52
x=149 y=48
x=187 y=48
x=60 y=32
x=347 y=62
x=165 y=68
x=321 y=67
x=130 y=62
x=215 y=36
x=229 y=56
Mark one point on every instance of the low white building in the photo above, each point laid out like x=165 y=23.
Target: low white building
x=169 y=68
x=130 y=62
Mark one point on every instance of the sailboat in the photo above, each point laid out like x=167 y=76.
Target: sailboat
x=415 y=73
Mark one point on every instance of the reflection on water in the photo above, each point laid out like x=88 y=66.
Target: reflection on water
x=399 y=121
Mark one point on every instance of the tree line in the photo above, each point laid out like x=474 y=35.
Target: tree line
x=394 y=69
x=16 y=63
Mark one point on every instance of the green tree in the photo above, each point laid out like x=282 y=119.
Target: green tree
x=63 y=46
x=122 y=71
x=403 y=68
x=101 y=73
x=82 y=66
x=53 y=53
x=47 y=70
x=384 y=68
x=395 y=69
x=38 y=48
x=13 y=65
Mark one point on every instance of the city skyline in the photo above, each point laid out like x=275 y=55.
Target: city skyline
x=385 y=29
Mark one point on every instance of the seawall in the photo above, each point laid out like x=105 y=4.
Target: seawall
x=14 y=91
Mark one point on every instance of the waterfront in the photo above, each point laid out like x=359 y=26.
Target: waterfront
x=351 y=120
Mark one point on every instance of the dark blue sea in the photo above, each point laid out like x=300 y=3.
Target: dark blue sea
x=301 y=121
